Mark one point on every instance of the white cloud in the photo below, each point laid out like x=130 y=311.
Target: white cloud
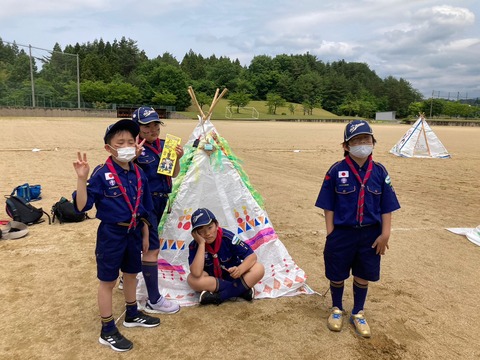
x=429 y=42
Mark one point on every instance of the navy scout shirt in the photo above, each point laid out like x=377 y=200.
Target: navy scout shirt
x=340 y=190
x=103 y=191
x=149 y=161
x=232 y=252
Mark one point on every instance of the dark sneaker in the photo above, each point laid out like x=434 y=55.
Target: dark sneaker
x=142 y=320
x=115 y=340
x=207 y=297
x=248 y=295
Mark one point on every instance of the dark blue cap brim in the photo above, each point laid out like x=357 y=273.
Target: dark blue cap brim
x=123 y=124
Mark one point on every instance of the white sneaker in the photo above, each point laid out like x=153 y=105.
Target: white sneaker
x=163 y=306
x=120 y=283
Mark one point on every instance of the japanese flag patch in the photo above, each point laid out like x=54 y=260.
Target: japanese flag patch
x=109 y=177
x=343 y=174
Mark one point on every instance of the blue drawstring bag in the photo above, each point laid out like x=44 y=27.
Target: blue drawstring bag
x=35 y=192
x=28 y=192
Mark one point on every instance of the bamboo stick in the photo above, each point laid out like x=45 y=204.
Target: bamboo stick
x=215 y=101
x=194 y=99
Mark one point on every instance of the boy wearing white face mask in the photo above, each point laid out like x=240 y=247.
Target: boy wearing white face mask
x=120 y=192
x=358 y=200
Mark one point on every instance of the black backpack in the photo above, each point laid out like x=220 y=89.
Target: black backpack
x=21 y=210
x=64 y=210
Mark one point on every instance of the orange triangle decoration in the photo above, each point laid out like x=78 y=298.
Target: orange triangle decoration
x=170 y=243
x=242 y=225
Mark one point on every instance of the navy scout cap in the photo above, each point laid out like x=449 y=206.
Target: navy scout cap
x=356 y=127
x=123 y=124
x=202 y=217
x=145 y=115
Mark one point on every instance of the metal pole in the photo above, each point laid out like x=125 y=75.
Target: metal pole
x=431 y=104
x=78 y=81
x=31 y=75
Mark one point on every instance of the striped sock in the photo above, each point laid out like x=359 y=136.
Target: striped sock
x=336 y=289
x=132 y=309
x=108 y=324
x=359 y=296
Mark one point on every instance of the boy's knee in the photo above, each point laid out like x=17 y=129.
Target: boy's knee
x=261 y=270
x=192 y=281
x=151 y=255
x=256 y=272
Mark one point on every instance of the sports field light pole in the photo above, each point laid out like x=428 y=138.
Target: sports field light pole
x=30 y=47
x=31 y=75
x=78 y=81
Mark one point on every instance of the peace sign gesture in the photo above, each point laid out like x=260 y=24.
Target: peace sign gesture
x=81 y=166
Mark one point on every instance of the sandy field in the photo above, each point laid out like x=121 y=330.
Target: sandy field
x=424 y=307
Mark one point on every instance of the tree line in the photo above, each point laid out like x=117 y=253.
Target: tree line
x=120 y=73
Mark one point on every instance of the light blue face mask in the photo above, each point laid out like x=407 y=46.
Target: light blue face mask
x=361 y=151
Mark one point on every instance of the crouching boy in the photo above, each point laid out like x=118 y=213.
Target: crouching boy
x=221 y=265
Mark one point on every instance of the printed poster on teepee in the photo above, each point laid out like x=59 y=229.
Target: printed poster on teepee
x=169 y=156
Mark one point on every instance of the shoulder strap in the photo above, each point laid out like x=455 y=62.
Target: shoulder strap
x=49 y=219
x=15 y=189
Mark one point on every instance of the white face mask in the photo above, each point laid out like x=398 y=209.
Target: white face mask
x=125 y=154
x=361 y=151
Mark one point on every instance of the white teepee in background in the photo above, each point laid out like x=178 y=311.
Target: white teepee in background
x=420 y=141
x=211 y=177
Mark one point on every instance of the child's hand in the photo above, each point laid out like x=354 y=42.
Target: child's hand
x=381 y=245
x=235 y=272
x=199 y=239
x=179 y=151
x=81 y=166
x=139 y=148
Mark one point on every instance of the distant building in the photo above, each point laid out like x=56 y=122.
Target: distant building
x=386 y=115
x=163 y=112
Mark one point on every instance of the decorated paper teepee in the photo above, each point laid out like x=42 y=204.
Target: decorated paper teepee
x=212 y=177
x=420 y=141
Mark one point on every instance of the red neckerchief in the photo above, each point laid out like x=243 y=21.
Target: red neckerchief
x=157 y=149
x=133 y=221
x=361 y=195
x=217 y=270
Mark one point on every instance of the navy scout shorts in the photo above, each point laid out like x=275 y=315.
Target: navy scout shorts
x=116 y=249
x=349 y=248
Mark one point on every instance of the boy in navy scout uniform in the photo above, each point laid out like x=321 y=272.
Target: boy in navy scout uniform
x=358 y=199
x=221 y=265
x=119 y=189
x=160 y=187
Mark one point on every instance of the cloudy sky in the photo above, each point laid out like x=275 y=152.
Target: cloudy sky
x=435 y=45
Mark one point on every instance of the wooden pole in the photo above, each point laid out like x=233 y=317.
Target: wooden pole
x=215 y=101
x=195 y=102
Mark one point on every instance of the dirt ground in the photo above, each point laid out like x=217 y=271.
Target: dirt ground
x=424 y=307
